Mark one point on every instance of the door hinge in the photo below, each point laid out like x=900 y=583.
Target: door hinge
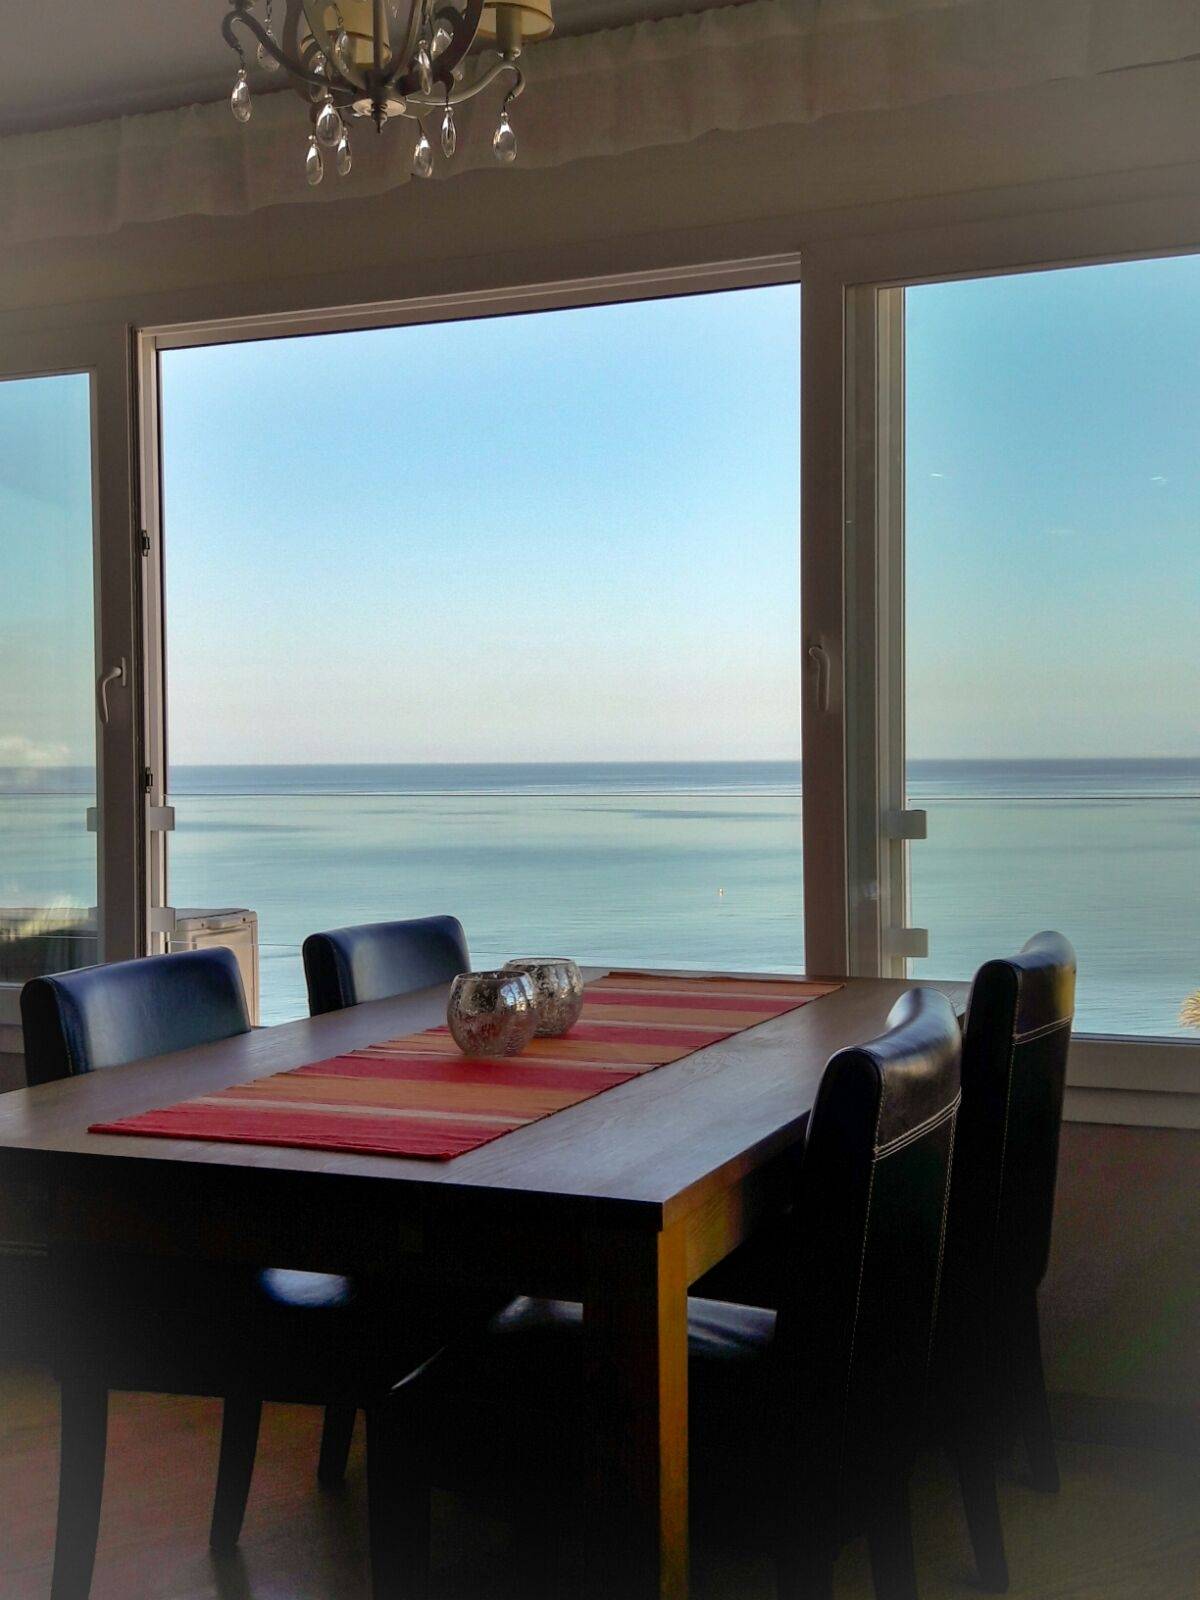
x=910 y=942
x=147 y=779
x=145 y=543
x=906 y=825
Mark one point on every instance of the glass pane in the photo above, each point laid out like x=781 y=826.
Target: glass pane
x=47 y=720
x=498 y=618
x=1053 y=628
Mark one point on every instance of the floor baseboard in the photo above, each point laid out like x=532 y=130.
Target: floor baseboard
x=1142 y=1424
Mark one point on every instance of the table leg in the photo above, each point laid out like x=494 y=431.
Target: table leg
x=635 y=1325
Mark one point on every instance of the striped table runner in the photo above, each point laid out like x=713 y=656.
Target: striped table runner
x=418 y=1096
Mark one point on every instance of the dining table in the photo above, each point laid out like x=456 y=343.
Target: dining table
x=619 y=1202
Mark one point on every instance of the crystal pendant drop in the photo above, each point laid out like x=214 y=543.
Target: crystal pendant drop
x=239 y=100
x=345 y=159
x=505 y=142
x=329 y=124
x=443 y=36
x=266 y=60
x=314 y=167
x=424 y=70
x=423 y=157
x=449 y=133
x=317 y=66
x=343 y=50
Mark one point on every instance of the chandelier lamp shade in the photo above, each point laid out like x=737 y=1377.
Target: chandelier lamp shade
x=385 y=61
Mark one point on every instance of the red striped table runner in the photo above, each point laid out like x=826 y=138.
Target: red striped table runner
x=419 y=1096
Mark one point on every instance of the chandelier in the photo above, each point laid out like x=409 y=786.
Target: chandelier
x=385 y=60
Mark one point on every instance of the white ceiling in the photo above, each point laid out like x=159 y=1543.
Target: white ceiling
x=125 y=56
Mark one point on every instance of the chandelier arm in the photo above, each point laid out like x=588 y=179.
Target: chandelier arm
x=518 y=88
x=463 y=93
x=378 y=23
x=398 y=72
x=250 y=21
x=321 y=34
x=289 y=34
x=464 y=25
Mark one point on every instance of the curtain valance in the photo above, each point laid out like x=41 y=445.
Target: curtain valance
x=757 y=65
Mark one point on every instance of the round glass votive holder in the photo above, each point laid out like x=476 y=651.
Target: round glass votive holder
x=558 y=984
x=492 y=1013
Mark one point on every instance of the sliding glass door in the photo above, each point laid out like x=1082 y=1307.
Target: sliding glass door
x=1052 y=550
x=67 y=855
x=1030 y=514
x=48 y=793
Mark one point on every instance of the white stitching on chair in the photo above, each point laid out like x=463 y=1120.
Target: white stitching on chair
x=1040 y=1033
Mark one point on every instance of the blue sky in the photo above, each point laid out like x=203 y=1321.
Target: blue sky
x=565 y=536
x=1053 y=522
x=574 y=535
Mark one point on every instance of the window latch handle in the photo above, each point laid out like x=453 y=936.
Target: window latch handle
x=115 y=674
x=819 y=657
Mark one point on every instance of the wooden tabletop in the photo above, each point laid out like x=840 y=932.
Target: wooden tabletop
x=643 y=1153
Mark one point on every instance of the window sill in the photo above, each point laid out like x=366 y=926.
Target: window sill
x=1143 y=1083
x=10 y=1005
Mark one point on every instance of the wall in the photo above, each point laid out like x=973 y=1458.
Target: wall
x=1120 y=1302
x=12 y=1062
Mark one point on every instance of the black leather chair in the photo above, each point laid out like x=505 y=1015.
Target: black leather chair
x=348 y=966
x=1015 y=1045
x=805 y=1421
x=244 y=1335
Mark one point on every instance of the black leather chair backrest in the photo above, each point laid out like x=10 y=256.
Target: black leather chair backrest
x=348 y=966
x=870 y=1219
x=104 y=1016
x=1015 y=1047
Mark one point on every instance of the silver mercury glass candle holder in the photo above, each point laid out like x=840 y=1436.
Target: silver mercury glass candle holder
x=558 y=983
x=492 y=1013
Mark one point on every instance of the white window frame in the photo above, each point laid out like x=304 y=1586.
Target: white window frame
x=1124 y=1079
x=151 y=342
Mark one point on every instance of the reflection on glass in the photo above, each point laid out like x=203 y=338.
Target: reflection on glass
x=48 y=871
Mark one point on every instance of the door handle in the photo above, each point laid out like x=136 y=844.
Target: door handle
x=819 y=657
x=115 y=674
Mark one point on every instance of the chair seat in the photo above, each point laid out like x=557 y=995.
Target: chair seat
x=203 y=1328
x=305 y=1291
x=503 y=1407
x=535 y=1344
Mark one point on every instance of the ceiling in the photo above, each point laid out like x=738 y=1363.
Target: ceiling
x=126 y=56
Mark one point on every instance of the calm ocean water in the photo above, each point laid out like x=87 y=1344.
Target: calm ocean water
x=695 y=864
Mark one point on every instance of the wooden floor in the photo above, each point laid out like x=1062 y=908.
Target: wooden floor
x=1126 y=1526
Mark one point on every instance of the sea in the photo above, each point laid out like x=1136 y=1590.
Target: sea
x=695 y=864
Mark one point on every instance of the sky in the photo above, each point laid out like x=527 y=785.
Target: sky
x=1053 y=514
x=567 y=536
x=575 y=535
